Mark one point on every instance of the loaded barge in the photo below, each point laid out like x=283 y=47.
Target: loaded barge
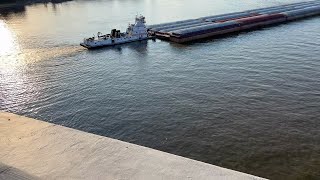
x=211 y=26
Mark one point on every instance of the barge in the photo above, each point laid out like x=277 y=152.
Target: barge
x=211 y=26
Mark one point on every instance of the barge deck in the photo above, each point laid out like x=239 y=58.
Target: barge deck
x=217 y=25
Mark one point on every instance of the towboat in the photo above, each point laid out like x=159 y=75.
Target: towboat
x=135 y=32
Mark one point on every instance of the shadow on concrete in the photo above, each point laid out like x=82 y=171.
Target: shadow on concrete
x=11 y=173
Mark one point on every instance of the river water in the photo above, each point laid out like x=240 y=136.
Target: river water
x=249 y=102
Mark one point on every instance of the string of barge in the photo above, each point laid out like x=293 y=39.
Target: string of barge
x=217 y=25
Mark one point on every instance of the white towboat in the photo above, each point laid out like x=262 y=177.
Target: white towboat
x=135 y=32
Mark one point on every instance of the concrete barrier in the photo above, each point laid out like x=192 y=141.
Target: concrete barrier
x=31 y=149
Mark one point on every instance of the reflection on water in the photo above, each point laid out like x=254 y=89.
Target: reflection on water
x=12 y=79
x=6 y=10
x=8 y=43
x=11 y=57
x=11 y=54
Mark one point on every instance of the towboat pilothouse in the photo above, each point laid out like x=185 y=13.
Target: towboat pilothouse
x=135 y=32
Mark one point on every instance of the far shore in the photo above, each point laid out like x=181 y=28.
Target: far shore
x=28 y=2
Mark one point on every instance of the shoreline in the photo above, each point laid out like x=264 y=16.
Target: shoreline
x=20 y=3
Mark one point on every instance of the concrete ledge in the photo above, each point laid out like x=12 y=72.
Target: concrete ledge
x=48 y=151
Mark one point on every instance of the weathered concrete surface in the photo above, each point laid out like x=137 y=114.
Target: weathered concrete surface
x=40 y=149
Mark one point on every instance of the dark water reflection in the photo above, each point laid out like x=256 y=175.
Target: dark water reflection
x=248 y=102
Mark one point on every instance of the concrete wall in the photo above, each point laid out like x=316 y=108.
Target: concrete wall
x=31 y=149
